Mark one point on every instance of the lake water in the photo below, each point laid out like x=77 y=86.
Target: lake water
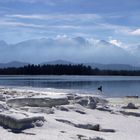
x=113 y=86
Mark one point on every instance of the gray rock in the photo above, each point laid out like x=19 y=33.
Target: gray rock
x=3 y=107
x=18 y=123
x=108 y=130
x=97 y=138
x=135 y=114
x=95 y=127
x=71 y=96
x=2 y=97
x=62 y=108
x=37 y=102
x=38 y=123
x=80 y=112
x=46 y=110
x=82 y=137
x=89 y=102
x=130 y=106
x=104 y=108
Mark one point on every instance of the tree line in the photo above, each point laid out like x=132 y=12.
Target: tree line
x=58 y=69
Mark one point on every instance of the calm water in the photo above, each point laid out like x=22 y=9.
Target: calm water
x=112 y=86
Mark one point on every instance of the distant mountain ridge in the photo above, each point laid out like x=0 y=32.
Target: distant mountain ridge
x=18 y=64
x=78 y=49
x=113 y=66
x=58 y=62
x=15 y=64
x=97 y=65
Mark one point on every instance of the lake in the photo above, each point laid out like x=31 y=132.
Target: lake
x=113 y=86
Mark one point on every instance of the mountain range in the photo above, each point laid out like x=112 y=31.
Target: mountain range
x=15 y=64
x=76 y=49
x=93 y=65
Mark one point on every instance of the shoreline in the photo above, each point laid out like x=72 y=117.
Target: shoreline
x=67 y=116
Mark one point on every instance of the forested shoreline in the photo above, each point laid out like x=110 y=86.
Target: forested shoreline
x=60 y=69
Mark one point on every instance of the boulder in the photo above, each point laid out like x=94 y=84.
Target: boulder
x=87 y=101
x=37 y=102
x=135 y=114
x=130 y=106
x=97 y=138
x=18 y=122
x=3 y=107
x=46 y=110
x=62 y=108
x=104 y=108
x=95 y=127
x=2 y=97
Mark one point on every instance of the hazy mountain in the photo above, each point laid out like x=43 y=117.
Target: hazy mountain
x=63 y=62
x=13 y=64
x=112 y=66
x=76 y=49
x=3 y=43
x=97 y=65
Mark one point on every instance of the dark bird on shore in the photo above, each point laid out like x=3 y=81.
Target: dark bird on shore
x=100 y=88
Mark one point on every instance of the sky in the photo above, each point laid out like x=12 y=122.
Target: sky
x=116 y=21
x=104 y=19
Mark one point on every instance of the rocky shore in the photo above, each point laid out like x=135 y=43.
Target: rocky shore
x=31 y=114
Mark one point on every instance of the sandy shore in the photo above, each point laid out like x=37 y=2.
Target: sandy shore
x=27 y=114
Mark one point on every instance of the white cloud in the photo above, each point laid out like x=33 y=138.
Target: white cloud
x=128 y=48
x=118 y=29
x=136 y=32
x=116 y=42
x=19 y=24
x=28 y=1
x=57 y=16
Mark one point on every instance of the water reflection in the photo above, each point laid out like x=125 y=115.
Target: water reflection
x=112 y=86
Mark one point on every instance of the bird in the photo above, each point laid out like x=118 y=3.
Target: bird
x=100 y=88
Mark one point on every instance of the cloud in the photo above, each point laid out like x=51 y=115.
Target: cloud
x=27 y=1
x=19 y=24
x=136 y=32
x=53 y=21
x=85 y=24
x=72 y=21
x=57 y=16
x=116 y=28
x=116 y=42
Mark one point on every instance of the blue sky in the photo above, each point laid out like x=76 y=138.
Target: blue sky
x=117 y=21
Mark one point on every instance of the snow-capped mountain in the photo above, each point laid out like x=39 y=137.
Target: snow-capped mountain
x=77 y=50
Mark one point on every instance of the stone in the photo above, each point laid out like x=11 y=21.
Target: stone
x=3 y=107
x=62 y=108
x=80 y=112
x=130 y=106
x=18 y=122
x=89 y=102
x=97 y=138
x=135 y=114
x=45 y=110
x=37 y=102
x=95 y=127
x=104 y=108
x=108 y=130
